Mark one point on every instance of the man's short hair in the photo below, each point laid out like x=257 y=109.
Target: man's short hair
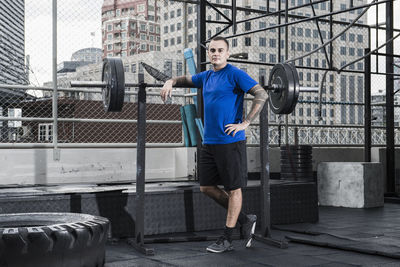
x=220 y=38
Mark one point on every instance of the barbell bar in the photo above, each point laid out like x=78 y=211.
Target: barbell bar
x=283 y=85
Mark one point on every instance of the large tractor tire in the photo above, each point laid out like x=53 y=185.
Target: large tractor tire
x=52 y=240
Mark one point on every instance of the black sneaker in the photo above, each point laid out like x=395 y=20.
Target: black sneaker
x=221 y=245
x=247 y=229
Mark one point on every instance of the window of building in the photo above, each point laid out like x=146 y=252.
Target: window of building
x=168 y=67
x=133 y=68
x=172 y=41
x=109 y=47
x=272 y=42
x=299 y=31
x=178 y=39
x=262 y=41
x=165 y=29
x=143 y=27
x=178 y=26
x=234 y=42
x=166 y=43
x=141 y=7
x=299 y=46
x=109 y=27
x=272 y=58
x=247 y=41
x=343 y=50
x=190 y=38
x=263 y=57
x=172 y=14
x=172 y=27
x=179 y=68
x=45 y=132
x=247 y=26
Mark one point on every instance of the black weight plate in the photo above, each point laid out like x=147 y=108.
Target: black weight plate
x=120 y=71
x=108 y=70
x=296 y=87
x=299 y=147
x=298 y=162
x=300 y=154
x=114 y=77
x=278 y=98
x=297 y=166
x=306 y=172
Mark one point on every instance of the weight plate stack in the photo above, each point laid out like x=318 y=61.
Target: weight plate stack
x=296 y=163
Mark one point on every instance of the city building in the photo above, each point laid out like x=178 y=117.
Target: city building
x=130 y=27
x=89 y=55
x=12 y=42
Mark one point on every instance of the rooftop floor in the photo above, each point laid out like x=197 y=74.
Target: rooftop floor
x=374 y=231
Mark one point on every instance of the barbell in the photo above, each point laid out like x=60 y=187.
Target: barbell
x=283 y=85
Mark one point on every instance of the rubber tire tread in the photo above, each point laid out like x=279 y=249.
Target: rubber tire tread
x=52 y=239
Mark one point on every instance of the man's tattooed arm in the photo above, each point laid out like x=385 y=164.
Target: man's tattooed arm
x=260 y=96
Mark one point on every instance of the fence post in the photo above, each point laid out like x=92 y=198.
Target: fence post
x=56 y=152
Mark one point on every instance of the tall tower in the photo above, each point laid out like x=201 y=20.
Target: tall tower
x=12 y=48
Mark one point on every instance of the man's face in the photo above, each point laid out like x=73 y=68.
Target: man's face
x=218 y=53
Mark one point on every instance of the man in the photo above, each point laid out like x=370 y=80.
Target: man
x=223 y=155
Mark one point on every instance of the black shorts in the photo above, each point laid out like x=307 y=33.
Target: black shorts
x=224 y=164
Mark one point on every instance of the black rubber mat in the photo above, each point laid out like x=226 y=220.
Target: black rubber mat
x=373 y=242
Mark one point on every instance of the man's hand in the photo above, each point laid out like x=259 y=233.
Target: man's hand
x=166 y=90
x=234 y=128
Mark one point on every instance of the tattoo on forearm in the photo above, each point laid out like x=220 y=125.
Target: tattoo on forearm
x=183 y=81
x=260 y=96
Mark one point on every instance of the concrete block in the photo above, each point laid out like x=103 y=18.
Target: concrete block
x=350 y=184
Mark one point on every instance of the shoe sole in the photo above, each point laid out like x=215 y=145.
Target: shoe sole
x=219 y=251
x=253 y=228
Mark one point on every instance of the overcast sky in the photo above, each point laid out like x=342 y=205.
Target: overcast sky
x=78 y=20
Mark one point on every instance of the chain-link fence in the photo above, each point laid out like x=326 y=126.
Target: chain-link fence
x=157 y=33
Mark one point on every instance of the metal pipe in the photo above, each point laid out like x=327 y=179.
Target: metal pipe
x=367 y=108
x=55 y=93
x=88 y=145
x=390 y=152
x=88 y=120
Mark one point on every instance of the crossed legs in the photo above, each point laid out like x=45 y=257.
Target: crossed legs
x=232 y=201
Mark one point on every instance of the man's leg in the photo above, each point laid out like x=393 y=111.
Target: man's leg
x=222 y=198
x=217 y=194
x=234 y=207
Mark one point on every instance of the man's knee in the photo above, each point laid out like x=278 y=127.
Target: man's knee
x=235 y=193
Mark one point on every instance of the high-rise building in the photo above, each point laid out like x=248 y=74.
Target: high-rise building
x=12 y=48
x=130 y=27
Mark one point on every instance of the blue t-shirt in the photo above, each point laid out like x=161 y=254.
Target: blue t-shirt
x=223 y=94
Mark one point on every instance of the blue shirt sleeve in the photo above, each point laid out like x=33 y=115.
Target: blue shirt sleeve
x=244 y=81
x=198 y=78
